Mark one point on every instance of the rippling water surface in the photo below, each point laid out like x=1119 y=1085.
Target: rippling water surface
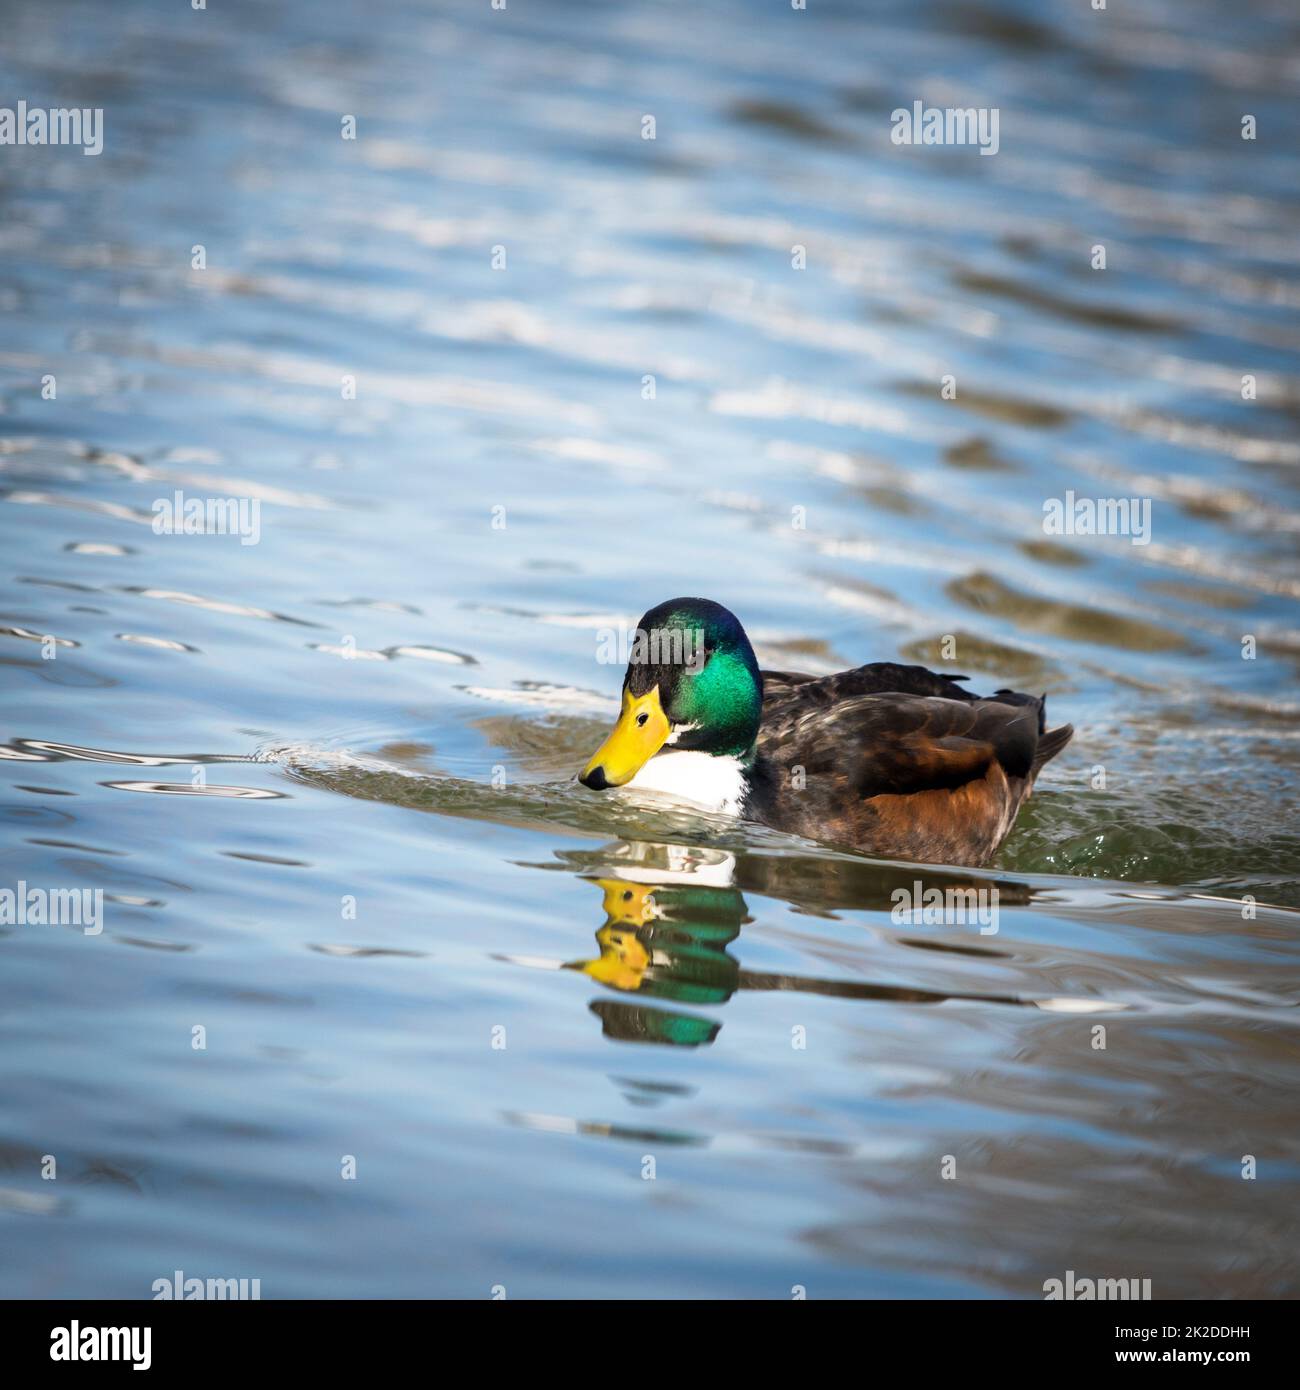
x=323 y=780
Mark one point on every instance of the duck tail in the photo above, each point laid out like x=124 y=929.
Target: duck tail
x=1049 y=745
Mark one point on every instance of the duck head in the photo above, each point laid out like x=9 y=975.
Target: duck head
x=692 y=684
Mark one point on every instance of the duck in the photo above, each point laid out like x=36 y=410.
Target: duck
x=897 y=762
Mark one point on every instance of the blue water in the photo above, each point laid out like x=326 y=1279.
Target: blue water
x=324 y=780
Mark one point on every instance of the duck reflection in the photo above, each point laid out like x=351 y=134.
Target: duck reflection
x=664 y=941
x=668 y=942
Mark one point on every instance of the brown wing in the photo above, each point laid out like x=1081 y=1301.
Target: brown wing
x=903 y=776
x=821 y=692
x=894 y=743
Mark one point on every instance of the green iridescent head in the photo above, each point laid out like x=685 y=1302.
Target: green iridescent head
x=692 y=683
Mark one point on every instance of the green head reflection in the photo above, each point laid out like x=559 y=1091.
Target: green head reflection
x=668 y=942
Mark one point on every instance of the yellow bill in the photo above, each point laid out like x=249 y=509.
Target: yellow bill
x=641 y=731
x=623 y=961
x=629 y=904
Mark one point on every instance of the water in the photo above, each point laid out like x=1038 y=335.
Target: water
x=309 y=856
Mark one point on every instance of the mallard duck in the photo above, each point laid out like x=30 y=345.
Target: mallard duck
x=896 y=761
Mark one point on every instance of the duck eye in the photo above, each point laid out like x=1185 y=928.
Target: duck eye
x=641 y=718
